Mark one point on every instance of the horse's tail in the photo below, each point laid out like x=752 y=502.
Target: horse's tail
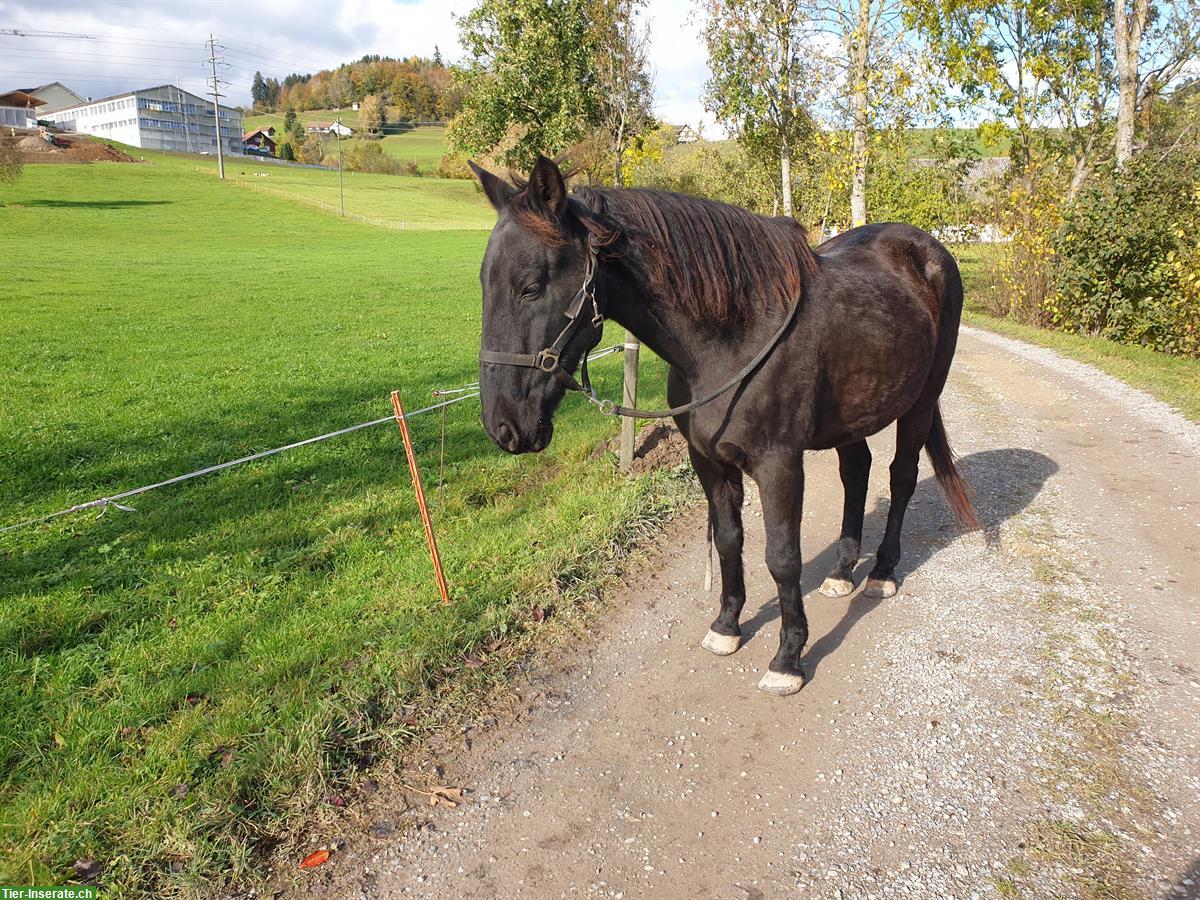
x=955 y=489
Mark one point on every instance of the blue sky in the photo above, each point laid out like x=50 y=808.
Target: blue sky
x=139 y=43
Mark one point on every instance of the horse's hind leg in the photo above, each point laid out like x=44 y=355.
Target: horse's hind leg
x=723 y=487
x=854 y=463
x=912 y=430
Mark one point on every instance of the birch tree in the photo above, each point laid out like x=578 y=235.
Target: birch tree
x=759 y=83
x=623 y=80
x=866 y=79
x=1154 y=43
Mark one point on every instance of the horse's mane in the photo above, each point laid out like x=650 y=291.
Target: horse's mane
x=713 y=261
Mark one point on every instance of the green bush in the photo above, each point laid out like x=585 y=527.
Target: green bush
x=1127 y=257
x=368 y=156
x=454 y=165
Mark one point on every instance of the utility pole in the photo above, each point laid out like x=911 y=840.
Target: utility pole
x=337 y=129
x=217 y=95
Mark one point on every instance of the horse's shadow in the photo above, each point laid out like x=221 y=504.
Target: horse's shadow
x=1005 y=482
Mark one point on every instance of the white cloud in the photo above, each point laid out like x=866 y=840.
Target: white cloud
x=147 y=42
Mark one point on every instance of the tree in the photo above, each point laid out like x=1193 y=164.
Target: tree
x=371 y=117
x=757 y=78
x=437 y=56
x=623 y=82
x=1024 y=59
x=258 y=90
x=529 y=82
x=1145 y=67
x=289 y=120
x=866 y=76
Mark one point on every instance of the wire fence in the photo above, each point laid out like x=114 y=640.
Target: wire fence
x=334 y=209
x=466 y=392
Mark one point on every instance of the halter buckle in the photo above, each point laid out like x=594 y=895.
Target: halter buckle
x=547 y=361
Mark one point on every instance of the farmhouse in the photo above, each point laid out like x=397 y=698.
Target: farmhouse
x=18 y=109
x=157 y=118
x=260 y=142
x=329 y=128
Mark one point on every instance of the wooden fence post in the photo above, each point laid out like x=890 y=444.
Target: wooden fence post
x=629 y=395
x=422 y=506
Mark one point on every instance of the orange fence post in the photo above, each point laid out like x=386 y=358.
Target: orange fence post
x=398 y=408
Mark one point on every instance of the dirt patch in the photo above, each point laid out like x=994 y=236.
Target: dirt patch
x=33 y=144
x=69 y=148
x=658 y=447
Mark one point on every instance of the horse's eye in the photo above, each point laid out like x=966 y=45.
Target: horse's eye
x=532 y=292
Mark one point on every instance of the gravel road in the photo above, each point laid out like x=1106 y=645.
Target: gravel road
x=1022 y=719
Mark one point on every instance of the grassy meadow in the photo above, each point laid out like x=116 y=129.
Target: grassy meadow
x=182 y=685
x=424 y=144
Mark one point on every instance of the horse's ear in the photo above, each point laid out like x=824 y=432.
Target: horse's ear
x=547 y=190
x=498 y=191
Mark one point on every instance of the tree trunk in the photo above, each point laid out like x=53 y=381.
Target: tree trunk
x=785 y=176
x=1128 y=29
x=859 y=154
x=858 y=158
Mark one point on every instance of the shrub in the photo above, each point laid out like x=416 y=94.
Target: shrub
x=10 y=162
x=453 y=165
x=1128 y=256
x=411 y=168
x=368 y=156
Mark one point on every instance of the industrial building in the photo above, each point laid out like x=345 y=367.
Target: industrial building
x=54 y=96
x=158 y=118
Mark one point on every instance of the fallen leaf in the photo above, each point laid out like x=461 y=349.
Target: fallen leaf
x=337 y=800
x=446 y=796
x=226 y=759
x=180 y=791
x=495 y=645
x=314 y=859
x=474 y=662
x=192 y=699
x=58 y=740
x=538 y=614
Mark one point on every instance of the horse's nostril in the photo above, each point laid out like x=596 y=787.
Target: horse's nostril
x=505 y=435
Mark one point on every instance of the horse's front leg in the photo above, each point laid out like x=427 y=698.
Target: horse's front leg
x=723 y=487
x=781 y=483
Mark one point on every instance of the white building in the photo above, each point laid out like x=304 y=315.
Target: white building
x=157 y=118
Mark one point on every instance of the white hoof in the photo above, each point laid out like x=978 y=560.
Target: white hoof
x=721 y=644
x=879 y=589
x=837 y=587
x=781 y=684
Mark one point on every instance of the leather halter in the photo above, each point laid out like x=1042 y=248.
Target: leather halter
x=547 y=360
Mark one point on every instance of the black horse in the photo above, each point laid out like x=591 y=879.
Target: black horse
x=708 y=287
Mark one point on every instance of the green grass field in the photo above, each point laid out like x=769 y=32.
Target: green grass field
x=394 y=201
x=181 y=685
x=425 y=144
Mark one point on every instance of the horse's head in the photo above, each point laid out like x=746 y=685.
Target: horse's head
x=532 y=272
